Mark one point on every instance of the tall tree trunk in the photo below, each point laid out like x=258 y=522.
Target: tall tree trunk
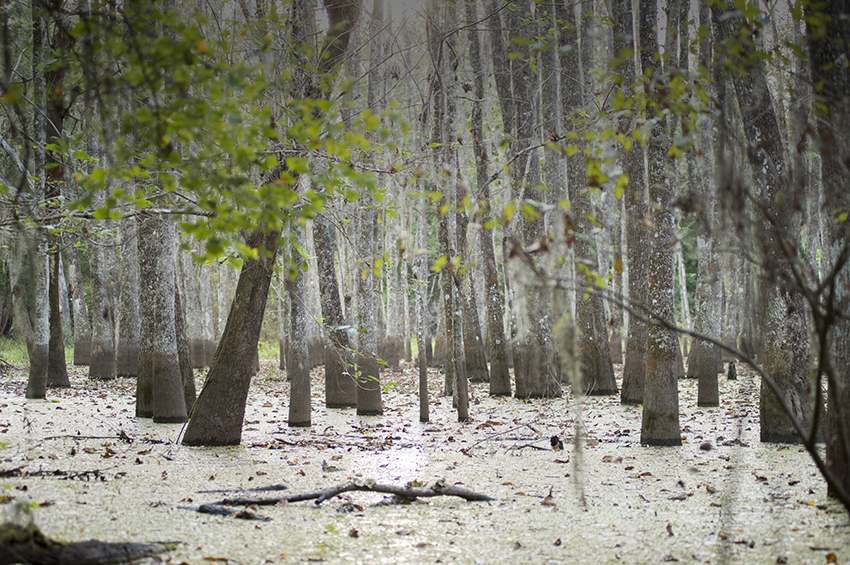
x=102 y=365
x=369 y=401
x=82 y=326
x=40 y=349
x=57 y=370
x=340 y=388
x=829 y=51
x=538 y=367
x=634 y=371
x=187 y=375
x=169 y=405
x=422 y=317
x=786 y=335
x=146 y=249
x=220 y=407
x=660 y=421
x=297 y=368
x=500 y=378
x=129 y=325
x=596 y=368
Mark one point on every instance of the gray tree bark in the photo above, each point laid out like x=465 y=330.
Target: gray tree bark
x=297 y=367
x=39 y=351
x=596 y=368
x=169 y=405
x=82 y=326
x=634 y=371
x=828 y=51
x=102 y=365
x=660 y=419
x=500 y=378
x=220 y=408
x=129 y=324
x=340 y=388
x=786 y=335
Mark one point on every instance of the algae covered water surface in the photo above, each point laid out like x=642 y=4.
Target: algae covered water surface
x=95 y=471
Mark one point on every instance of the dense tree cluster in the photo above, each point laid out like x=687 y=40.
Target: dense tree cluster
x=524 y=192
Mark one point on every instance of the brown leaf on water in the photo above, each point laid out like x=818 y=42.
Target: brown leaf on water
x=831 y=558
x=669 y=529
x=710 y=489
x=558 y=541
x=353 y=533
x=517 y=545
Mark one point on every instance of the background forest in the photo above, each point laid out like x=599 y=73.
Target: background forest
x=522 y=193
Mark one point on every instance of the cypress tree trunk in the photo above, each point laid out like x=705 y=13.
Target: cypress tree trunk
x=169 y=404
x=660 y=419
x=102 y=365
x=828 y=53
x=596 y=368
x=39 y=350
x=634 y=370
x=340 y=388
x=129 y=325
x=220 y=408
x=145 y=241
x=82 y=326
x=187 y=375
x=499 y=373
x=297 y=368
x=786 y=335
x=57 y=370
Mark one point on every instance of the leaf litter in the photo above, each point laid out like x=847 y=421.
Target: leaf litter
x=722 y=497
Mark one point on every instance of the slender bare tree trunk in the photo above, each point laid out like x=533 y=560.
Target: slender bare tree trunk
x=146 y=248
x=634 y=371
x=340 y=388
x=57 y=370
x=82 y=327
x=297 y=367
x=500 y=378
x=40 y=350
x=596 y=367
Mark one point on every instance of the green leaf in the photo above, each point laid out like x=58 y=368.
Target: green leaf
x=439 y=263
x=620 y=186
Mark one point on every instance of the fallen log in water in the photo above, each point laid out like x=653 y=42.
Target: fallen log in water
x=26 y=544
x=409 y=491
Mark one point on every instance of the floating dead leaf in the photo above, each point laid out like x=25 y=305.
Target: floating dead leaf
x=558 y=542
x=517 y=545
x=353 y=533
x=548 y=500
x=612 y=459
x=831 y=558
x=710 y=489
x=561 y=461
x=223 y=559
x=781 y=560
x=508 y=483
x=669 y=529
x=668 y=558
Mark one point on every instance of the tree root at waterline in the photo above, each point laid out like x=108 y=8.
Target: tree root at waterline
x=26 y=544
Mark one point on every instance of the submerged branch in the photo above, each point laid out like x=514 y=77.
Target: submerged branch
x=440 y=488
